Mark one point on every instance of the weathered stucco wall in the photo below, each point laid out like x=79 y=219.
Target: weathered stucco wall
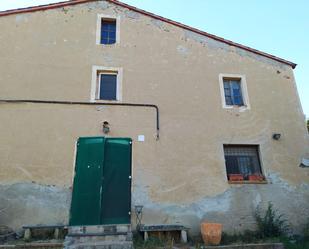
x=49 y=55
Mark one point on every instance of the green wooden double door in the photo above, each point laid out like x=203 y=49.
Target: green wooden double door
x=102 y=182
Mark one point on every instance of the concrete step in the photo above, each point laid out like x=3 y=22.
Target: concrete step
x=100 y=229
x=101 y=237
x=93 y=238
x=103 y=245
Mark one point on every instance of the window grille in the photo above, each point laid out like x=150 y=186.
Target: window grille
x=243 y=160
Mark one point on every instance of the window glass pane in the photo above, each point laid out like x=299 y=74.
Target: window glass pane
x=227 y=92
x=226 y=84
x=245 y=165
x=108 y=86
x=105 y=28
x=109 y=41
x=235 y=84
x=237 y=100
x=228 y=100
x=237 y=97
x=112 y=27
x=232 y=92
x=231 y=165
x=108 y=32
x=104 y=35
x=112 y=35
x=104 y=41
x=112 y=41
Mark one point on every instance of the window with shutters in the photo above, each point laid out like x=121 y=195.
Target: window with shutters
x=234 y=92
x=243 y=163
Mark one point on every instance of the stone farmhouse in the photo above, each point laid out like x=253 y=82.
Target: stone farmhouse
x=105 y=107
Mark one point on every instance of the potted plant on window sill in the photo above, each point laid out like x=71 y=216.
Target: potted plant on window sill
x=256 y=177
x=236 y=177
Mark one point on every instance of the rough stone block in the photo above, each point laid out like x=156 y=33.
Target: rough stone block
x=94 y=229
x=184 y=237
x=122 y=228
x=145 y=236
x=27 y=234
x=57 y=233
x=75 y=230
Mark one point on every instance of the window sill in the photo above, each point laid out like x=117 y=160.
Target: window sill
x=106 y=100
x=248 y=182
x=239 y=108
x=108 y=45
x=235 y=106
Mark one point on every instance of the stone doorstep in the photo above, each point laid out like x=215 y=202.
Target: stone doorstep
x=99 y=237
x=248 y=246
x=111 y=238
x=103 y=245
x=101 y=229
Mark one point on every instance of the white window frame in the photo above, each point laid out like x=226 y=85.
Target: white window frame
x=99 y=23
x=244 y=91
x=95 y=82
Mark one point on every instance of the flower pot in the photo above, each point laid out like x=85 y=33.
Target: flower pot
x=211 y=233
x=255 y=178
x=236 y=177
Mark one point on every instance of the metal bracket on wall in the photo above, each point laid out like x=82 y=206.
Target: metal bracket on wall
x=89 y=103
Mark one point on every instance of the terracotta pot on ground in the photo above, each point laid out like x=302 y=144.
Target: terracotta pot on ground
x=211 y=233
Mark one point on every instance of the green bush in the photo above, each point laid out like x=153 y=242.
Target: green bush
x=271 y=227
x=271 y=224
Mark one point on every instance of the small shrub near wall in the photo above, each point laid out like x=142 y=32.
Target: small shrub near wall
x=271 y=227
x=271 y=223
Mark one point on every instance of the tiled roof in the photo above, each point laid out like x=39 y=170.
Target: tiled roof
x=183 y=26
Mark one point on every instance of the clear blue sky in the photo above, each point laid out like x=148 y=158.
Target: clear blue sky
x=278 y=27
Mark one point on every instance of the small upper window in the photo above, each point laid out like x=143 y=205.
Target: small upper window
x=107 y=86
x=232 y=92
x=243 y=163
x=108 y=31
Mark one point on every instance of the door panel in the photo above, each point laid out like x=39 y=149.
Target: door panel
x=102 y=188
x=116 y=199
x=86 y=197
